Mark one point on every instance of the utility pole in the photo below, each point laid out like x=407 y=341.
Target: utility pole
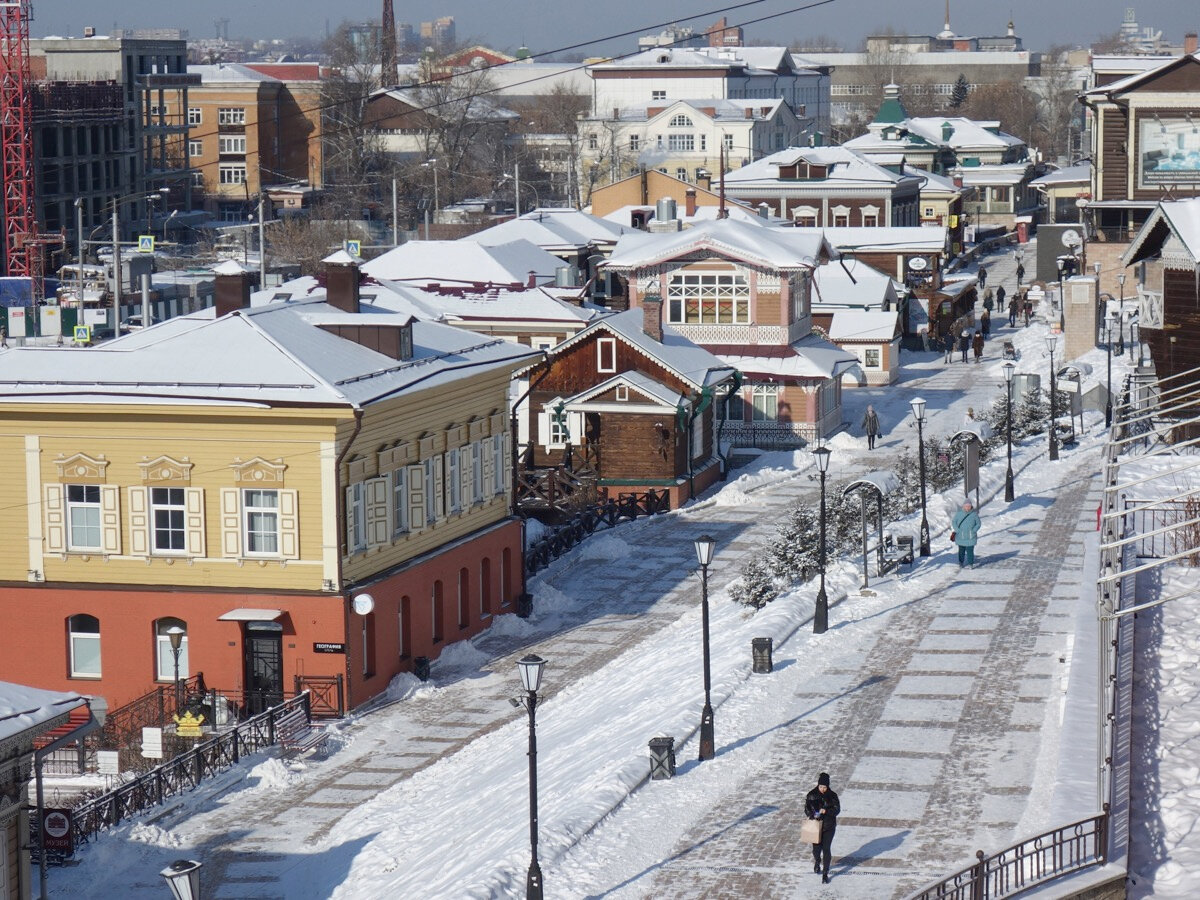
x=517 y=182
x=395 y=217
x=116 y=263
x=262 y=246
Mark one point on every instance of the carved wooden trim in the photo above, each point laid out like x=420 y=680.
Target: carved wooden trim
x=79 y=468
x=166 y=469
x=258 y=471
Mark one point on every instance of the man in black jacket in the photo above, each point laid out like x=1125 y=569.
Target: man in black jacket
x=823 y=804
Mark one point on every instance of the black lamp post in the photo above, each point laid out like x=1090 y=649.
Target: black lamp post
x=175 y=635
x=1121 y=314
x=1108 y=400
x=1009 y=493
x=705 y=546
x=531 y=667
x=821 y=613
x=918 y=411
x=1051 y=342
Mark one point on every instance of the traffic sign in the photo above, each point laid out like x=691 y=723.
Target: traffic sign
x=82 y=334
x=354 y=248
x=145 y=243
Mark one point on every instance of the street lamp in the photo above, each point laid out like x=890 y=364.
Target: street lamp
x=821 y=613
x=1009 y=368
x=1108 y=400
x=175 y=635
x=918 y=411
x=1051 y=342
x=1121 y=314
x=183 y=878
x=705 y=546
x=531 y=667
x=432 y=164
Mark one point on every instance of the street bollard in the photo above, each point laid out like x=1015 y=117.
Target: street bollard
x=760 y=650
x=662 y=758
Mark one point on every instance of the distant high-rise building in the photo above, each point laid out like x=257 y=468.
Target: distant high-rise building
x=439 y=33
x=722 y=35
x=406 y=36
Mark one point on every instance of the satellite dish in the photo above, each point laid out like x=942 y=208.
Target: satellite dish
x=364 y=604
x=1071 y=238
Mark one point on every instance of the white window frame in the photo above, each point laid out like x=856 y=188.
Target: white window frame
x=195 y=148
x=430 y=491
x=711 y=292
x=195 y=115
x=681 y=143
x=231 y=173
x=164 y=657
x=764 y=402
x=231 y=143
x=679 y=121
x=267 y=512
x=198 y=179
x=622 y=393
x=658 y=95
x=356 y=518
x=173 y=510
x=80 y=636
x=635 y=143
x=453 y=481
x=477 y=472
x=231 y=115
x=84 y=507
x=868 y=352
x=727 y=139
x=606 y=355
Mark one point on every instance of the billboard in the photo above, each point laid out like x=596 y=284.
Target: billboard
x=1168 y=152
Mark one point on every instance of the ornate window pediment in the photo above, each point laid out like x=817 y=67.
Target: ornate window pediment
x=166 y=468
x=81 y=468
x=258 y=471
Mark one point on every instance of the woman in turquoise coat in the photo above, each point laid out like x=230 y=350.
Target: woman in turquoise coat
x=965 y=533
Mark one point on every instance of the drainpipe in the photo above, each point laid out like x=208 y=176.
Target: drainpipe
x=39 y=756
x=737 y=385
x=524 y=600
x=339 y=502
x=700 y=402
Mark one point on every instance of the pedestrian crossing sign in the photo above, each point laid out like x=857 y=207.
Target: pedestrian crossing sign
x=145 y=243
x=82 y=334
x=354 y=248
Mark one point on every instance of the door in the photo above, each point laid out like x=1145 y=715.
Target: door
x=263 y=648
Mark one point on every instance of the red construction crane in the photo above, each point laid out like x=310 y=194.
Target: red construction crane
x=22 y=253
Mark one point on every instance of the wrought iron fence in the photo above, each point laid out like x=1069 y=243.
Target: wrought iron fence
x=123 y=725
x=1032 y=862
x=183 y=773
x=606 y=514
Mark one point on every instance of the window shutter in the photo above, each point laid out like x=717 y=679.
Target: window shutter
x=231 y=522
x=489 y=468
x=508 y=464
x=289 y=525
x=453 y=482
x=139 y=521
x=350 y=510
x=194 y=498
x=439 y=488
x=378 y=511
x=464 y=476
x=110 y=518
x=56 y=521
x=543 y=425
x=416 y=498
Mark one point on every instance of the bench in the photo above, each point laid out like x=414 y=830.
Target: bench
x=297 y=735
x=897 y=551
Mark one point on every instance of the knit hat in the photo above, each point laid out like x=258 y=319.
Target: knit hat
x=823 y=779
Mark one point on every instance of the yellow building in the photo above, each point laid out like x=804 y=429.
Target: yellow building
x=247 y=475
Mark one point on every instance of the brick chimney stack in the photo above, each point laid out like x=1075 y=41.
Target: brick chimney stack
x=341 y=281
x=652 y=316
x=232 y=289
x=689 y=202
x=531 y=281
x=1190 y=42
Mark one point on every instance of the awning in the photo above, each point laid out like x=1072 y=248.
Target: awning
x=245 y=614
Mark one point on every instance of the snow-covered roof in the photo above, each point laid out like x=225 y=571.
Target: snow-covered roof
x=1080 y=174
x=478 y=108
x=229 y=73
x=863 y=325
x=851 y=282
x=809 y=357
x=1132 y=81
x=778 y=248
x=1174 y=218
x=553 y=229
x=653 y=390
x=690 y=362
x=993 y=173
x=24 y=708
x=736 y=210
x=845 y=168
x=263 y=356
x=463 y=262
x=932 y=183
x=762 y=59
x=895 y=238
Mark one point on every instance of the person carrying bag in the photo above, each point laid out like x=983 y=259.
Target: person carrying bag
x=821 y=808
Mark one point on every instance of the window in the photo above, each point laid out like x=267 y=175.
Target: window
x=733 y=409
x=231 y=115
x=164 y=653
x=593 y=142
x=234 y=143
x=399 y=502
x=635 y=143
x=870 y=220
x=708 y=298
x=157 y=111
x=83 y=517
x=703 y=142
x=871 y=357
x=542 y=343
x=84 y=633
x=168 y=517
x=464 y=598
x=681 y=173
x=453 y=481
x=681 y=143
x=195 y=148
x=658 y=95
x=622 y=392
x=606 y=355
x=727 y=139
x=198 y=179
x=436 y=611
x=477 y=472
x=356 y=519
x=368 y=645
x=764 y=399
x=498 y=469
x=841 y=221
x=680 y=121
x=232 y=174
x=260 y=522
x=559 y=434
x=1000 y=194
x=195 y=115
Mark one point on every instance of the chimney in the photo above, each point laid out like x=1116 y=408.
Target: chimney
x=958 y=181
x=764 y=211
x=1190 y=42
x=652 y=316
x=89 y=31
x=704 y=179
x=232 y=288
x=531 y=281
x=341 y=281
x=749 y=112
x=689 y=202
x=616 y=112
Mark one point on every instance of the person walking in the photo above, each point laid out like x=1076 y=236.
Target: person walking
x=964 y=344
x=982 y=276
x=870 y=425
x=1013 y=307
x=989 y=301
x=1000 y=295
x=1020 y=273
x=823 y=804
x=977 y=345
x=1028 y=310
x=965 y=533
x=948 y=346
x=985 y=323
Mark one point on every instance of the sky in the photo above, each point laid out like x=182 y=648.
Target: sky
x=508 y=25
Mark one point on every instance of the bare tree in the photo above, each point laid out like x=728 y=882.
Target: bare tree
x=549 y=146
x=351 y=154
x=305 y=242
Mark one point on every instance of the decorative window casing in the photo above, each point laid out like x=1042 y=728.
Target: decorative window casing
x=260 y=523
x=606 y=355
x=764 y=401
x=166 y=514
x=83 y=517
x=356 y=518
x=83 y=634
x=164 y=655
x=168 y=520
x=708 y=298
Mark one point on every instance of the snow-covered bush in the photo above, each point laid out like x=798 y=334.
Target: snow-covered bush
x=757 y=587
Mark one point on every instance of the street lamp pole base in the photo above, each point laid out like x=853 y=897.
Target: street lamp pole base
x=821 y=613
x=924 y=537
x=1054 y=450
x=533 y=884
x=708 y=743
x=1009 y=493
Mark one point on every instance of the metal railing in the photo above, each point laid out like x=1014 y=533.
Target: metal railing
x=606 y=514
x=1032 y=862
x=181 y=774
x=123 y=725
x=1165 y=527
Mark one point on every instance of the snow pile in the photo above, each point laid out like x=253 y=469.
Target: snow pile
x=535 y=530
x=462 y=656
x=271 y=774
x=154 y=836
x=604 y=547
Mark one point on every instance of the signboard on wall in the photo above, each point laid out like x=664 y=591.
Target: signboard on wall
x=56 y=829
x=1168 y=152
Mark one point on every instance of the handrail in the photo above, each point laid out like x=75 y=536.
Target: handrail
x=606 y=514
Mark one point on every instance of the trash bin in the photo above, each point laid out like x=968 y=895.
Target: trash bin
x=525 y=605
x=421 y=667
x=662 y=758
x=760 y=650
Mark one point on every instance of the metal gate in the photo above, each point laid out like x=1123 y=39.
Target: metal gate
x=327 y=695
